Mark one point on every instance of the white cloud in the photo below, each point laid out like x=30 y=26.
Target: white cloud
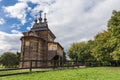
x=28 y=28
x=2 y=21
x=38 y=1
x=70 y=20
x=16 y=26
x=9 y=42
x=17 y=11
x=78 y=20
x=41 y=5
x=16 y=32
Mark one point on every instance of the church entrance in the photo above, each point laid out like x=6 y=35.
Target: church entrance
x=57 y=61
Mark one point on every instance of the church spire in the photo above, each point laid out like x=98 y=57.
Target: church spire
x=35 y=19
x=40 y=19
x=45 y=19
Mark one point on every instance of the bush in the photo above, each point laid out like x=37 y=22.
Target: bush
x=9 y=60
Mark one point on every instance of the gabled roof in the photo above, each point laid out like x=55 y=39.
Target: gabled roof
x=55 y=43
x=42 y=27
x=39 y=26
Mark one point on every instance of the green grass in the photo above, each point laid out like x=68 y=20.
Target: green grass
x=12 y=72
x=1 y=66
x=95 y=73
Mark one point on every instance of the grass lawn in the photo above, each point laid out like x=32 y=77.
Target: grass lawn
x=13 y=72
x=95 y=73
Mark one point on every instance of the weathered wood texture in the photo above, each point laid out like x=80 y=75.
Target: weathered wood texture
x=38 y=44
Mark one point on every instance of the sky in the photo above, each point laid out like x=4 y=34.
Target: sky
x=70 y=20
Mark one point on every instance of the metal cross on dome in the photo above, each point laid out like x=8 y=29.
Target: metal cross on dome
x=40 y=12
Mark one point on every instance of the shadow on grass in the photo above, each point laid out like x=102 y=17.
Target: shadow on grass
x=21 y=73
x=39 y=71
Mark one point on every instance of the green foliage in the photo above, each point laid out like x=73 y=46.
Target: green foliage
x=73 y=51
x=64 y=56
x=101 y=48
x=9 y=59
x=18 y=56
x=80 y=51
x=115 y=55
x=105 y=46
x=114 y=24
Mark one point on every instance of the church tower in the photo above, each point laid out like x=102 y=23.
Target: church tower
x=38 y=44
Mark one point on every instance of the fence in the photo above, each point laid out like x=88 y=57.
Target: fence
x=38 y=64
x=34 y=64
x=54 y=64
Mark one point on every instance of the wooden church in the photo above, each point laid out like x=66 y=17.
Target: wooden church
x=39 y=44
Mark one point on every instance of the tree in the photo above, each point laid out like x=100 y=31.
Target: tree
x=114 y=28
x=73 y=51
x=101 y=49
x=64 y=56
x=80 y=51
x=105 y=47
x=114 y=24
x=9 y=60
x=18 y=56
x=115 y=55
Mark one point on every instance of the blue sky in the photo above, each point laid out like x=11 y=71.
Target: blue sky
x=70 y=20
x=11 y=23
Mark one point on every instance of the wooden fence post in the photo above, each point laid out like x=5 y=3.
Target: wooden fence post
x=30 y=65
x=53 y=64
x=68 y=64
x=78 y=63
x=62 y=63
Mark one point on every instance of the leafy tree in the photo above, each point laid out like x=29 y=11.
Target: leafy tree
x=73 y=51
x=114 y=28
x=101 y=50
x=80 y=51
x=115 y=55
x=18 y=56
x=9 y=59
x=64 y=56
x=114 y=24
x=105 y=46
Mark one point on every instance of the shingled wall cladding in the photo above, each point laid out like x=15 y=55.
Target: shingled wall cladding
x=35 y=45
